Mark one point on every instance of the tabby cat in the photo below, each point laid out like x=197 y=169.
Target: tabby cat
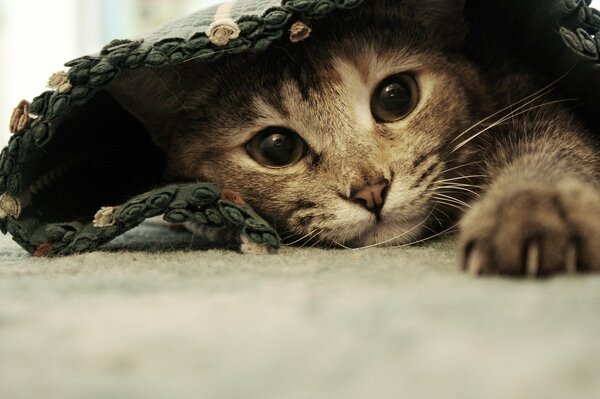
x=382 y=129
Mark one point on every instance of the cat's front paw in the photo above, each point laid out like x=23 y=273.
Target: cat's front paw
x=533 y=230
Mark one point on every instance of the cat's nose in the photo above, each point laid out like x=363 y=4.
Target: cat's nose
x=372 y=196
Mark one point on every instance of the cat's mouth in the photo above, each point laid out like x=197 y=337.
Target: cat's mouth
x=389 y=232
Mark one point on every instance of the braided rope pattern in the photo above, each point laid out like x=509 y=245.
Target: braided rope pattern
x=89 y=74
x=583 y=39
x=198 y=203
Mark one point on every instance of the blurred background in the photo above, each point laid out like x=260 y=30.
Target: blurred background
x=38 y=36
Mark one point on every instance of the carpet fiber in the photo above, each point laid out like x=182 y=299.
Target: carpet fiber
x=306 y=323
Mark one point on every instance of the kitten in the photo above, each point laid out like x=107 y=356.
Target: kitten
x=381 y=130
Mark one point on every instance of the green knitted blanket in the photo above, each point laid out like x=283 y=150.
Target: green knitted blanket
x=80 y=171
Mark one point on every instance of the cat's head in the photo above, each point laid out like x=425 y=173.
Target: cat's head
x=345 y=138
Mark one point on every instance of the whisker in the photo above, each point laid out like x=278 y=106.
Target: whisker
x=318 y=242
x=450 y=184
x=396 y=237
x=517 y=112
x=452 y=199
x=440 y=234
x=462 y=178
x=458 y=188
x=341 y=245
x=302 y=238
x=317 y=232
x=442 y=212
x=540 y=93
x=459 y=166
x=452 y=205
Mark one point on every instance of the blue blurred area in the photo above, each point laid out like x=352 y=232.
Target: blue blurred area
x=115 y=20
x=38 y=36
x=130 y=17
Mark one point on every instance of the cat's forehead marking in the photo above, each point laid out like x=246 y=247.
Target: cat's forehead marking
x=346 y=83
x=355 y=86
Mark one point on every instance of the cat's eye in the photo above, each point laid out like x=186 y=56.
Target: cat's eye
x=276 y=147
x=395 y=98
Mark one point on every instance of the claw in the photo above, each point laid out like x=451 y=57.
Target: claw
x=475 y=263
x=571 y=260
x=532 y=266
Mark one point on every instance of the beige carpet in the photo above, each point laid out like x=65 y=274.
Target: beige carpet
x=307 y=323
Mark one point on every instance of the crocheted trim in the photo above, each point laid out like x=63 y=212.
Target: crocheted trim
x=9 y=206
x=20 y=117
x=202 y=204
x=60 y=82
x=223 y=31
x=105 y=217
x=299 y=31
x=584 y=39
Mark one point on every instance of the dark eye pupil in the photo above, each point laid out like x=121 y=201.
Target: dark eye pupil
x=276 y=147
x=395 y=98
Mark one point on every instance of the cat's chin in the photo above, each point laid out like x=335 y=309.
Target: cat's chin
x=389 y=234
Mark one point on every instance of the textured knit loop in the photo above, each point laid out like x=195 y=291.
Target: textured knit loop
x=8 y=164
x=256 y=237
x=277 y=19
x=253 y=224
x=9 y=206
x=57 y=104
x=56 y=232
x=105 y=217
x=14 y=147
x=114 y=46
x=178 y=216
x=161 y=199
x=222 y=31
x=130 y=213
x=583 y=39
x=60 y=82
x=83 y=244
x=205 y=192
x=270 y=240
x=250 y=28
x=136 y=58
x=20 y=118
x=41 y=133
x=156 y=58
x=214 y=216
x=232 y=214
x=179 y=204
x=299 y=31
x=571 y=5
x=102 y=74
x=80 y=94
x=168 y=46
x=39 y=105
x=199 y=218
x=13 y=184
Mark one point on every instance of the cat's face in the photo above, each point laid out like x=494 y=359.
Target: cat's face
x=354 y=152
x=345 y=138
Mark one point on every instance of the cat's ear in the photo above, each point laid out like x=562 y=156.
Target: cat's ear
x=152 y=96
